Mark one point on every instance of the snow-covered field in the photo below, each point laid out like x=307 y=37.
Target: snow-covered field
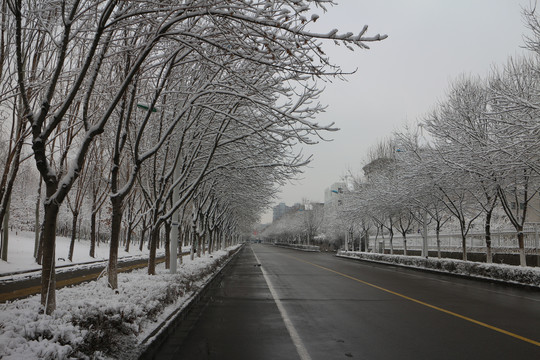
x=500 y=272
x=21 y=250
x=91 y=320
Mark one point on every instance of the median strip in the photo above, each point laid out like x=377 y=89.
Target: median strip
x=33 y=290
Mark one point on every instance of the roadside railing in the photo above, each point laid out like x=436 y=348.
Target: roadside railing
x=501 y=242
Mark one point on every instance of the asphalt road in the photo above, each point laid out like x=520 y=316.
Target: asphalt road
x=301 y=305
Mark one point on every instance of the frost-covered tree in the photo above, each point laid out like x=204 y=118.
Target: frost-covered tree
x=313 y=217
x=515 y=113
x=464 y=140
x=82 y=42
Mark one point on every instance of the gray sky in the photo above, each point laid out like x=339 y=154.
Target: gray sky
x=430 y=43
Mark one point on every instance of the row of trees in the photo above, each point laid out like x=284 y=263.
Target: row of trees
x=159 y=108
x=301 y=224
x=475 y=156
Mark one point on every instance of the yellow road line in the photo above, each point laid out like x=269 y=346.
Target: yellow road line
x=494 y=328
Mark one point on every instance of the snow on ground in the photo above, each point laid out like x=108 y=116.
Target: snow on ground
x=93 y=321
x=500 y=272
x=21 y=250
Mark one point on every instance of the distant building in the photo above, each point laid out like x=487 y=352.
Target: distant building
x=278 y=211
x=333 y=195
x=282 y=209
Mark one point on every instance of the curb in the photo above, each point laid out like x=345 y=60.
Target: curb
x=150 y=345
x=439 y=272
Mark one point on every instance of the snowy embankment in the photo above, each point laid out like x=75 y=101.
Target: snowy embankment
x=93 y=321
x=499 y=272
x=299 y=246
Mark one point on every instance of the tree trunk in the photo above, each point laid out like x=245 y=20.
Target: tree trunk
x=180 y=243
x=211 y=241
x=129 y=234
x=463 y=240
x=199 y=245
x=464 y=246
x=141 y=242
x=192 y=242
x=98 y=233
x=37 y=223
x=5 y=234
x=438 y=244
x=168 y=244
x=6 y=196
x=93 y=234
x=73 y=235
x=39 y=259
x=48 y=275
x=487 y=227
x=116 y=225
x=405 y=246
x=154 y=238
x=521 y=243
x=79 y=227
x=489 y=255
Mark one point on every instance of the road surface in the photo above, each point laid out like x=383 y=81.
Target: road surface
x=299 y=305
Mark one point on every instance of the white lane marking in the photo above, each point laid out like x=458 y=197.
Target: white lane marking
x=300 y=348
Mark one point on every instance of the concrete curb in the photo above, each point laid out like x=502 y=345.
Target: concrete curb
x=435 y=271
x=149 y=346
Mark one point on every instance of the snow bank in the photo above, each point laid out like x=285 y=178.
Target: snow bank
x=500 y=272
x=93 y=321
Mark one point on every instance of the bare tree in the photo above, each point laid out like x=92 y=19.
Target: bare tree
x=83 y=41
x=515 y=108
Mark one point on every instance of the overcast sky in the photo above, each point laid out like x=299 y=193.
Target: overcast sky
x=399 y=80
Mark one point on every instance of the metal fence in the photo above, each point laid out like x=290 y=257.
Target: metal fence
x=501 y=241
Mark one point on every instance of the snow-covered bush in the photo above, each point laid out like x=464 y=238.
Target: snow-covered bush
x=92 y=321
x=501 y=272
